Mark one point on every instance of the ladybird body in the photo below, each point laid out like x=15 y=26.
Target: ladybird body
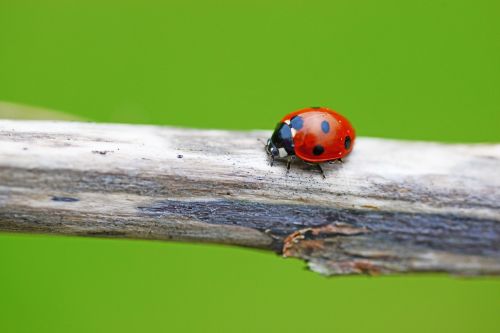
x=314 y=135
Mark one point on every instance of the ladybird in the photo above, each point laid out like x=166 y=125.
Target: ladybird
x=315 y=135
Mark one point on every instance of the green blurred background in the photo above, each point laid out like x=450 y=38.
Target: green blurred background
x=426 y=70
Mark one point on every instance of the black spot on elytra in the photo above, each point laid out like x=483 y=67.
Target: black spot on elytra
x=297 y=122
x=318 y=150
x=347 y=142
x=325 y=126
x=64 y=199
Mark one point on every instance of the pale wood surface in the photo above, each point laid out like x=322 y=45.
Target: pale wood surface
x=392 y=207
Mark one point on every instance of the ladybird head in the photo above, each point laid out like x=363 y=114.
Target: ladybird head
x=271 y=149
x=281 y=142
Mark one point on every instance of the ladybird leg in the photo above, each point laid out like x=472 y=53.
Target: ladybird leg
x=272 y=160
x=289 y=163
x=321 y=170
x=340 y=160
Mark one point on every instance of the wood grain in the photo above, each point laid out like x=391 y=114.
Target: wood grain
x=392 y=207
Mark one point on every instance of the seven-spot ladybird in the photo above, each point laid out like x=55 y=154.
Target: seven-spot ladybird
x=314 y=135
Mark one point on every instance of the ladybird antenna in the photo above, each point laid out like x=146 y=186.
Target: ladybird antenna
x=266 y=147
x=261 y=141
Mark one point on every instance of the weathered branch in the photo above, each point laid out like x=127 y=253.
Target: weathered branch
x=392 y=207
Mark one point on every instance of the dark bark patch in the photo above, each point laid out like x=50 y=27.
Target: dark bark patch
x=64 y=199
x=448 y=232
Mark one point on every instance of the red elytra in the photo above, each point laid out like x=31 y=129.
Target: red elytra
x=324 y=128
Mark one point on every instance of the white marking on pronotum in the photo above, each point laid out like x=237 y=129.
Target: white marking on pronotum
x=294 y=131
x=282 y=152
x=287 y=122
